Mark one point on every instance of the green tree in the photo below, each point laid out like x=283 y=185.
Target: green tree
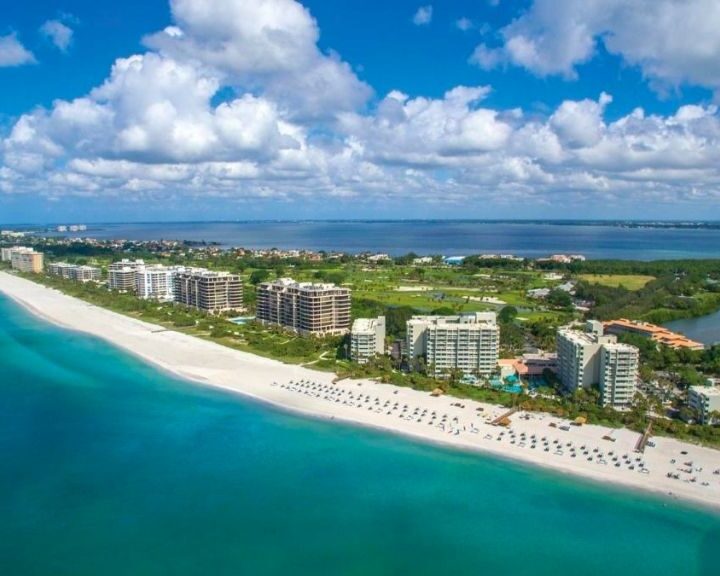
x=258 y=276
x=507 y=314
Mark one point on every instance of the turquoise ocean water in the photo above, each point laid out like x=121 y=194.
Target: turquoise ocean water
x=110 y=467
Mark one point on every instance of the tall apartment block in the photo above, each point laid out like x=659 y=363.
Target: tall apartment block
x=121 y=275
x=619 y=369
x=213 y=292
x=309 y=309
x=588 y=358
x=24 y=259
x=156 y=282
x=468 y=342
x=367 y=338
x=75 y=272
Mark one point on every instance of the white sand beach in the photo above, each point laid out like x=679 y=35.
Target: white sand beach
x=670 y=468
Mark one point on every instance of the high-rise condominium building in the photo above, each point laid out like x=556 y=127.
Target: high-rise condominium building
x=156 y=282
x=121 y=275
x=75 y=272
x=210 y=291
x=310 y=309
x=26 y=260
x=469 y=343
x=367 y=338
x=588 y=358
x=619 y=369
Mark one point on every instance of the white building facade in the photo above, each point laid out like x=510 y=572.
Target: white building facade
x=75 y=272
x=705 y=400
x=121 y=275
x=469 y=343
x=590 y=358
x=619 y=369
x=156 y=282
x=367 y=338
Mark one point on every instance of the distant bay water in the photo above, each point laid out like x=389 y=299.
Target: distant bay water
x=111 y=467
x=447 y=237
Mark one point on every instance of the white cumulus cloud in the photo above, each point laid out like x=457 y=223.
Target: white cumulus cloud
x=13 y=53
x=423 y=16
x=673 y=42
x=234 y=99
x=58 y=33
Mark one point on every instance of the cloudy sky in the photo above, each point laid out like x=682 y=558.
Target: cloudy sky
x=244 y=109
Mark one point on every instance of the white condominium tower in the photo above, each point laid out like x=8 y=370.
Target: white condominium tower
x=588 y=358
x=156 y=282
x=367 y=338
x=619 y=368
x=468 y=342
x=306 y=308
x=121 y=275
x=210 y=291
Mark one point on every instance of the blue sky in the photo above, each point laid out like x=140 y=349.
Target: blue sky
x=212 y=109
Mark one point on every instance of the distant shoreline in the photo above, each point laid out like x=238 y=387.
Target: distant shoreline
x=669 y=224
x=210 y=364
x=595 y=239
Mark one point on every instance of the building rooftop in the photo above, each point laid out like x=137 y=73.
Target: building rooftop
x=657 y=333
x=364 y=325
x=471 y=318
x=710 y=391
x=290 y=283
x=585 y=337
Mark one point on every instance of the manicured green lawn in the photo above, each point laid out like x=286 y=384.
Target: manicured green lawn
x=629 y=281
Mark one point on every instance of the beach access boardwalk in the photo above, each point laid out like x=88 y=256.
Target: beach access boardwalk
x=504 y=419
x=643 y=440
x=580 y=450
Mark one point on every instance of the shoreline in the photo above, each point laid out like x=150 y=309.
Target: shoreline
x=369 y=404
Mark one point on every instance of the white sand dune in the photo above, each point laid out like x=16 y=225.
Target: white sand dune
x=459 y=423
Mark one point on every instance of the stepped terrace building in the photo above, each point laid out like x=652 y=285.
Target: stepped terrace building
x=213 y=292
x=75 y=272
x=306 y=308
x=121 y=275
x=591 y=358
x=26 y=260
x=469 y=343
x=367 y=338
x=657 y=333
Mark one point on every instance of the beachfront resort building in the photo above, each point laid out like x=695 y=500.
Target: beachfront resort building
x=24 y=259
x=121 y=275
x=619 y=368
x=705 y=400
x=6 y=253
x=592 y=358
x=657 y=333
x=367 y=338
x=75 y=272
x=469 y=343
x=207 y=290
x=306 y=308
x=157 y=282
